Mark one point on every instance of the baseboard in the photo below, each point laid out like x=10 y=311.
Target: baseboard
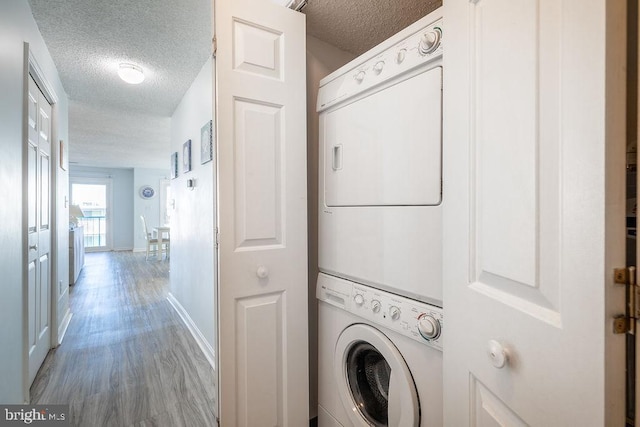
x=121 y=249
x=139 y=249
x=206 y=348
x=62 y=329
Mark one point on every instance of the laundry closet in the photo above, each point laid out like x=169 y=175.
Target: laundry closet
x=522 y=190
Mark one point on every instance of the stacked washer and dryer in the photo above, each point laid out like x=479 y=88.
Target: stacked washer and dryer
x=380 y=313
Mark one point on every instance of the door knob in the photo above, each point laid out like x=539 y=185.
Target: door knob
x=33 y=247
x=497 y=353
x=262 y=272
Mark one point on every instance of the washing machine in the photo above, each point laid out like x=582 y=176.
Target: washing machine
x=380 y=145
x=379 y=356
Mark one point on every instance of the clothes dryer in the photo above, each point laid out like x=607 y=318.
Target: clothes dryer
x=381 y=165
x=380 y=358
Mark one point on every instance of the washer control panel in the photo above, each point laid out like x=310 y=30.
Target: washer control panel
x=411 y=48
x=414 y=319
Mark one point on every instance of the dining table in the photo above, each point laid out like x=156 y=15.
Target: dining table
x=163 y=232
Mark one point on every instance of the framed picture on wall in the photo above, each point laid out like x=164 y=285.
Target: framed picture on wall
x=206 y=142
x=186 y=157
x=174 y=165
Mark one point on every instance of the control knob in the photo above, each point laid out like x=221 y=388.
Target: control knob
x=359 y=76
x=375 y=306
x=429 y=41
x=378 y=67
x=402 y=53
x=394 y=312
x=359 y=299
x=428 y=327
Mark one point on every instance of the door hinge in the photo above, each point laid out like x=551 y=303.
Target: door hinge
x=626 y=323
x=214 y=46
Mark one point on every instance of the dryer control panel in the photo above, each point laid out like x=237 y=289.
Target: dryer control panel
x=413 y=319
x=412 y=48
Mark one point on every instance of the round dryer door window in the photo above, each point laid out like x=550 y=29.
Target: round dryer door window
x=374 y=382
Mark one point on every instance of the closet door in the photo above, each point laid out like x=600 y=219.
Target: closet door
x=38 y=228
x=262 y=219
x=533 y=212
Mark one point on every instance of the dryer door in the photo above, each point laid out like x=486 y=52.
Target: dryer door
x=385 y=149
x=374 y=381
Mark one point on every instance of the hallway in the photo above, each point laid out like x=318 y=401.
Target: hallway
x=127 y=359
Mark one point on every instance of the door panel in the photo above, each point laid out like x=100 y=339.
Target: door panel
x=32 y=189
x=261 y=402
x=38 y=188
x=525 y=228
x=44 y=191
x=32 y=275
x=261 y=116
x=43 y=295
x=514 y=161
x=257 y=49
x=258 y=155
x=44 y=125
x=489 y=411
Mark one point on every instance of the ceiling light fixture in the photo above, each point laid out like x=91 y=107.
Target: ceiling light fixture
x=130 y=73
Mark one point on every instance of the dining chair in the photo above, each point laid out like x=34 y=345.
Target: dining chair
x=153 y=241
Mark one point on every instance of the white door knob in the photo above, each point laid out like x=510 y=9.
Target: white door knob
x=497 y=353
x=262 y=272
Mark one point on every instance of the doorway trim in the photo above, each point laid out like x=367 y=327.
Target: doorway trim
x=164 y=186
x=33 y=69
x=108 y=183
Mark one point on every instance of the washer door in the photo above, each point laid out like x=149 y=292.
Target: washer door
x=374 y=382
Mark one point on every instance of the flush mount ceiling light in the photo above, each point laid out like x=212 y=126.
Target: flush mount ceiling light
x=130 y=73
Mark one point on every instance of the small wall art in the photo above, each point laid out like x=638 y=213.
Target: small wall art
x=186 y=157
x=206 y=142
x=174 y=165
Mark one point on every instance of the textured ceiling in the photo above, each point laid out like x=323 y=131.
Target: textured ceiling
x=358 y=25
x=110 y=120
x=110 y=138
x=115 y=124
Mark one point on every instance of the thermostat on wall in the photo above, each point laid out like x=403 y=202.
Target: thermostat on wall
x=147 y=192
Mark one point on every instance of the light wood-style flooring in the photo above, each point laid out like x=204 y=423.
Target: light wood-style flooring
x=127 y=359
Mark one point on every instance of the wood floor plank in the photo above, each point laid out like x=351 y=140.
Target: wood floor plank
x=127 y=359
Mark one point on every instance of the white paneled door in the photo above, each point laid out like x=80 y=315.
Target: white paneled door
x=533 y=212
x=261 y=123
x=38 y=228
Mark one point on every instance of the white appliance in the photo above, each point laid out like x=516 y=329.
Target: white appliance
x=381 y=165
x=379 y=356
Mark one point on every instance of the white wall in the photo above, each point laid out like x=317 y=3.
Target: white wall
x=61 y=316
x=150 y=208
x=322 y=59
x=122 y=194
x=193 y=219
x=16 y=27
